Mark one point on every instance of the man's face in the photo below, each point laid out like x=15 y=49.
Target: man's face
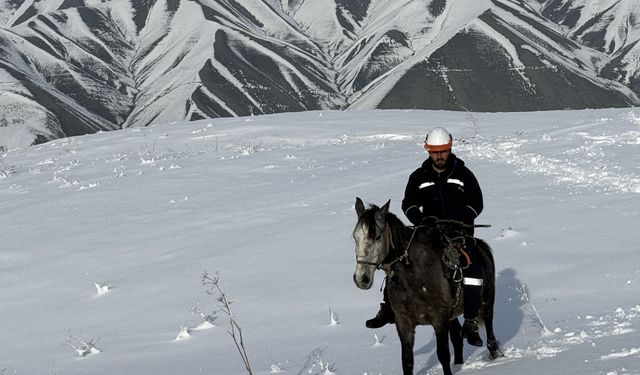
x=440 y=157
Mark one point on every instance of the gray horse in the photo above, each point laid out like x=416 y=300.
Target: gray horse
x=419 y=291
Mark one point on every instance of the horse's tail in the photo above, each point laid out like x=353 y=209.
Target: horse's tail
x=485 y=249
x=489 y=298
x=489 y=290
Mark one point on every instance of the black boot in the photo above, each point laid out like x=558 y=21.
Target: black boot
x=470 y=332
x=384 y=316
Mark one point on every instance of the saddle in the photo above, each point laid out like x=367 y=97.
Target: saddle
x=456 y=257
x=457 y=245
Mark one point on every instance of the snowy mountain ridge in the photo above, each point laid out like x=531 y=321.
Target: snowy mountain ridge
x=70 y=67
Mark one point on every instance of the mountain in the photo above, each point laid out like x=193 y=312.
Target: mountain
x=70 y=67
x=609 y=26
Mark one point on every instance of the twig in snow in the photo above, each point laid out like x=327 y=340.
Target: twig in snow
x=375 y=336
x=5 y=170
x=209 y=318
x=102 y=288
x=315 y=360
x=213 y=283
x=185 y=333
x=476 y=125
x=524 y=296
x=334 y=317
x=326 y=368
x=82 y=347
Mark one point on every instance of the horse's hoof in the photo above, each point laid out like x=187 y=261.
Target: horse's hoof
x=494 y=349
x=495 y=354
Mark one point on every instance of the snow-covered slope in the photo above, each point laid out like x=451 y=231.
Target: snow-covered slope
x=127 y=63
x=607 y=25
x=74 y=67
x=496 y=52
x=103 y=240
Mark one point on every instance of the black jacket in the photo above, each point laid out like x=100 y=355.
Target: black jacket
x=453 y=194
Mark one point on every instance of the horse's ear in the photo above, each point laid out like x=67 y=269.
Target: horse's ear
x=385 y=208
x=359 y=207
x=381 y=214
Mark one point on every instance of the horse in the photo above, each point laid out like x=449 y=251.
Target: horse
x=418 y=289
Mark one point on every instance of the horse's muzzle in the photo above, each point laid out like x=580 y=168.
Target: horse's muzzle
x=362 y=280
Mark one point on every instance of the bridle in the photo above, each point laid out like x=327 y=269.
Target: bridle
x=388 y=243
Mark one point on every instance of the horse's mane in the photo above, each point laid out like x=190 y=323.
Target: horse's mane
x=400 y=232
x=396 y=225
x=369 y=216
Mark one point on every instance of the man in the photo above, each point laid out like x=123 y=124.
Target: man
x=444 y=188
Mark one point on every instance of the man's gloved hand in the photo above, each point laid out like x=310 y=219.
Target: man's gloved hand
x=467 y=215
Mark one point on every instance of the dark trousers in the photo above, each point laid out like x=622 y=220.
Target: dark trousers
x=472 y=281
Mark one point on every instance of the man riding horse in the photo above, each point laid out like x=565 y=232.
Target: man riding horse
x=443 y=188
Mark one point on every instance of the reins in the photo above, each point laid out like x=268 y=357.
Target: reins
x=386 y=267
x=447 y=259
x=450 y=254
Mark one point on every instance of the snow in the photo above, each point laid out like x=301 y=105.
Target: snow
x=21 y=118
x=462 y=15
x=318 y=18
x=616 y=19
x=105 y=238
x=158 y=70
x=427 y=35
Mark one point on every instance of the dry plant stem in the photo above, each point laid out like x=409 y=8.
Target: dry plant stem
x=524 y=295
x=473 y=120
x=225 y=305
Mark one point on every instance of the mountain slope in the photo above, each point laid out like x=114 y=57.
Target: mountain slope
x=506 y=57
x=105 y=238
x=71 y=67
x=610 y=26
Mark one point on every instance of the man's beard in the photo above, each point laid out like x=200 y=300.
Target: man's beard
x=440 y=163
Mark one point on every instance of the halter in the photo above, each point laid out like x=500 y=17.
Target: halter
x=388 y=241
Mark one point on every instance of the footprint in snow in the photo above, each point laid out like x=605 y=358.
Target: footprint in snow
x=508 y=234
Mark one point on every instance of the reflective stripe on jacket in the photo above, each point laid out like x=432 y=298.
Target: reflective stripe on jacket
x=453 y=194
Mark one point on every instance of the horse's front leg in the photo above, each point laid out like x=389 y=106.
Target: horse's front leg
x=442 y=347
x=407 y=333
x=456 y=340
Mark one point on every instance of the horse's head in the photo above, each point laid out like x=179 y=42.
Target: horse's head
x=371 y=242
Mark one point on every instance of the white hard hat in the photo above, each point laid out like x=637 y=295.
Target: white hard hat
x=438 y=139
